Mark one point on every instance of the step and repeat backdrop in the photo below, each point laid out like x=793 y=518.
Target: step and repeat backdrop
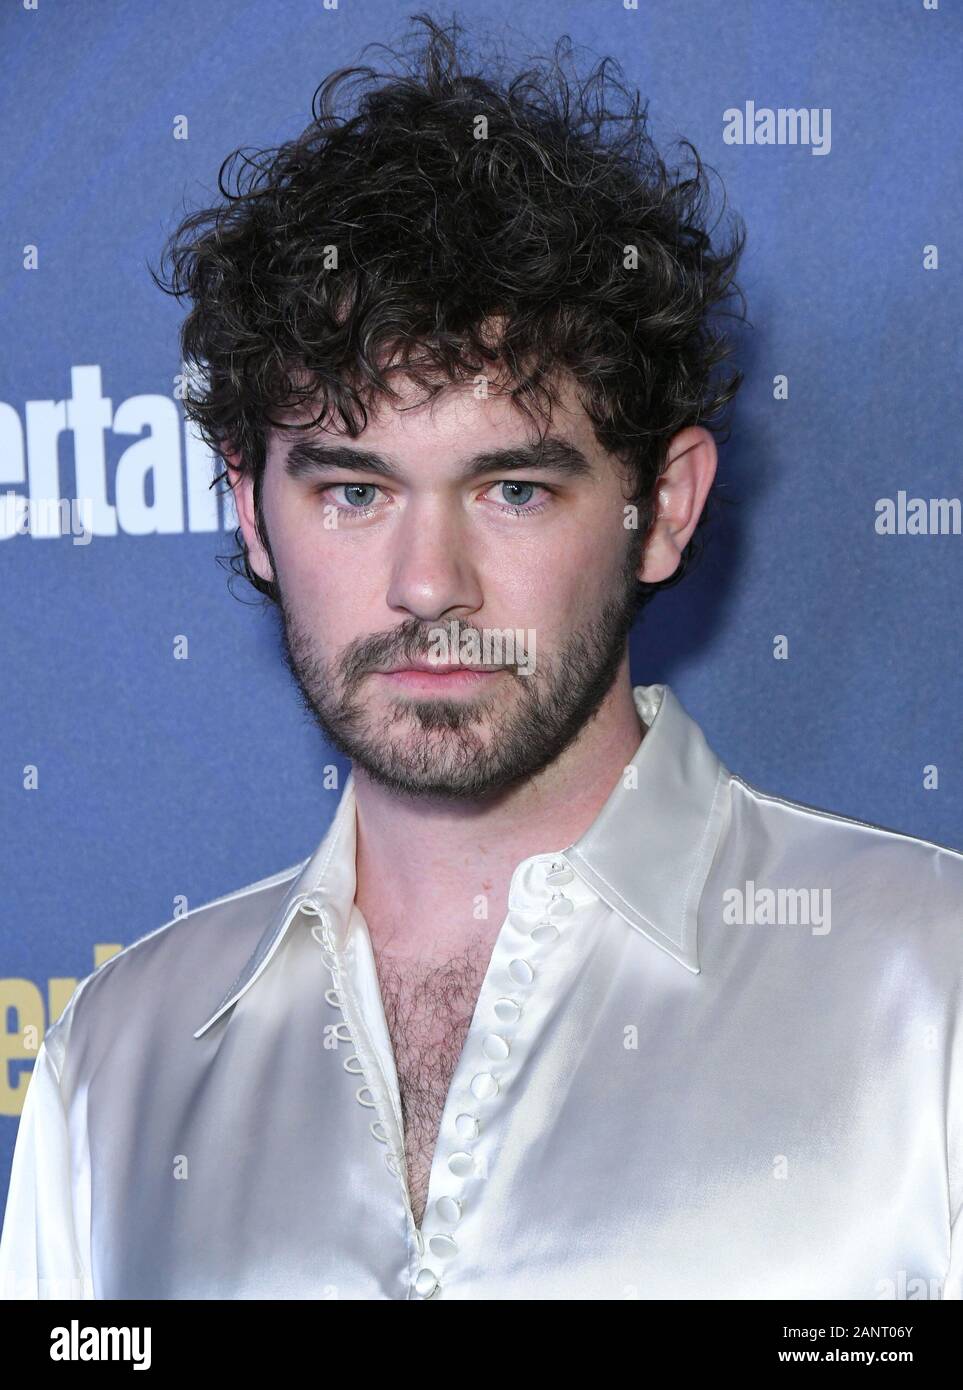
x=153 y=750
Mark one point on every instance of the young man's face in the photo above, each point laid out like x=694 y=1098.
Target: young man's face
x=436 y=535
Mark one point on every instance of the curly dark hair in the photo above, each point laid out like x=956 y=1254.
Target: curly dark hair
x=457 y=201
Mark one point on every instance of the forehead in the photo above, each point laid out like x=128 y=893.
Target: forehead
x=461 y=419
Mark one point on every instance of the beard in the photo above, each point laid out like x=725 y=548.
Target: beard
x=471 y=748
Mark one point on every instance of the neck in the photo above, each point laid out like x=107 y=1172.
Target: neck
x=422 y=864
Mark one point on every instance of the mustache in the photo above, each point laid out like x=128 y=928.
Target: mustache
x=412 y=642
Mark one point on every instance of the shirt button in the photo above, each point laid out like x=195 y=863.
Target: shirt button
x=560 y=907
x=559 y=874
x=466 y=1126
x=442 y=1246
x=460 y=1164
x=506 y=1010
x=483 y=1086
x=521 y=972
x=425 y=1283
x=544 y=933
x=448 y=1210
x=495 y=1047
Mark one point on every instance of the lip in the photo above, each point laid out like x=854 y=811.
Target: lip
x=437 y=669
x=436 y=679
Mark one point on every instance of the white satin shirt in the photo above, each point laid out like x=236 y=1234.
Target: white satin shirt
x=718 y=1053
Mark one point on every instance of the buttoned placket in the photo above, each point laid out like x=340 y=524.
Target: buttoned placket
x=510 y=980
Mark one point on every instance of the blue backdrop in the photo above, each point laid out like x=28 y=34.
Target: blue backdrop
x=132 y=782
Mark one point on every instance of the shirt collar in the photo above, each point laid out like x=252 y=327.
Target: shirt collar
x=647 y=854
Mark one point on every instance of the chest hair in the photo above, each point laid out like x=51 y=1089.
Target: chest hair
x=428 y=1010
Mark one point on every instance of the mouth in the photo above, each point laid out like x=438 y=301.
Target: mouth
x=438 y=679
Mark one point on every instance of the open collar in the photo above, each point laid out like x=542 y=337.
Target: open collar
x=647 y=854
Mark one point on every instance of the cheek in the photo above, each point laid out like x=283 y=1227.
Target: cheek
x=334 y=595
x=578 y=570
x=305 y=553
x=562 y=594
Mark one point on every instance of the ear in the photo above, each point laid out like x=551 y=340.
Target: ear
x=242 y=485
x=681 y=494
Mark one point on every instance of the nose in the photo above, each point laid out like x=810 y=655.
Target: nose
x=433 y=572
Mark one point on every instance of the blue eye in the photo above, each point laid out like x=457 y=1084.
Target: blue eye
x=350 y=488
x=517 y=497
x=523 y=487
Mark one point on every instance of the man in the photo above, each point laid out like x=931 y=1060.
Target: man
x=559 y=1007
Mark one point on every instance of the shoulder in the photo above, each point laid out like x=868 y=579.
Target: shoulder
x=846 y=833
x=879 y=878
x=175 y=968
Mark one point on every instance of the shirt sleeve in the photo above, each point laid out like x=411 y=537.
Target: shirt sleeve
x=41 y=1256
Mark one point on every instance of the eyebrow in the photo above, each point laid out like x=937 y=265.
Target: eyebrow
x=305 y=459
